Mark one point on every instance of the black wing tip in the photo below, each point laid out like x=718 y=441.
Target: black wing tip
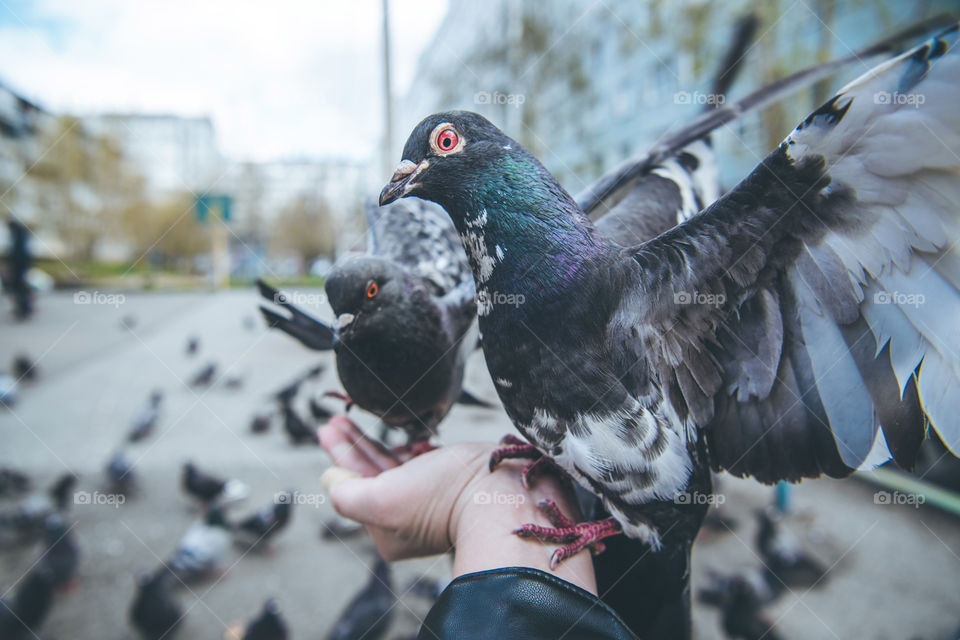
x=266 y=290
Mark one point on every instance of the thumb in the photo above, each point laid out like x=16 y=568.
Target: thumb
x=358 y=498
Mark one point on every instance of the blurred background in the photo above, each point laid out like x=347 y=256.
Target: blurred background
x=162 y=156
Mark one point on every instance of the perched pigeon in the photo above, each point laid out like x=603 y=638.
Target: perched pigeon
x=120 y=474
x=770 y=335
x=405 y=318
x=202 y=547
x=22 y=615
x=369 y=613
x=204 y=377
x=155 y=611
x=208 y=489
x=269 y=625
x=60 y=554
x=146 y=419
x=260 y=527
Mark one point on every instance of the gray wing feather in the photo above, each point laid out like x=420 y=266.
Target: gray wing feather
x=848 y=233
x=420 y=235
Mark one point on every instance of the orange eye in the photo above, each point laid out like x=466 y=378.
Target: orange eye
x=372 y=289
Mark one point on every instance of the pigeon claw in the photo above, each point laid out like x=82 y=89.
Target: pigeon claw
x=574 y=536
x=536 y=468
x=513 y=447
x=340 y=396
x=413 y=449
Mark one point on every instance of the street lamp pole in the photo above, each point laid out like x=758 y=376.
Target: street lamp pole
x=388 y=158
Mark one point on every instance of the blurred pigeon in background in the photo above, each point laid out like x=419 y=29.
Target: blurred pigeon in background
x=202 y=547
x=22 y=615
x=146 y=419
x=60 y=554
x=269 y=625
x=368 y=614
x=204 y=377
x=258 y=529
x=208 y=488
x=155 y=612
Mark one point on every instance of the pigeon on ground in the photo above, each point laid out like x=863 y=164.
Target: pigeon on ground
x=425 y=587
x=13 y=482
x=60 y=554
x=258 y=529
x=193 y=345
x=261 y=421
x=369 y=613
x=202 y=547
x=208 y=488
x=155 y=611
x=783 y=555
x=22 y=615
x=24 y=368
x=339 y=528
x=319 y=412
x=204 y=377
x=741 y=601
x=296 y=427
x=121 y=477
x=289 y=391
x=9 y=390
x=146 y=419
x=33 y=510
x=269 y=625
x=770 y=335
x=405 y=318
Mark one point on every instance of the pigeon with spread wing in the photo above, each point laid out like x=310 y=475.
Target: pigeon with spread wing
x=803 y=324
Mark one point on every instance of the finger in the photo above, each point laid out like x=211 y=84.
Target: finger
x=362 y=445
x=368 y=500
x=343 y=453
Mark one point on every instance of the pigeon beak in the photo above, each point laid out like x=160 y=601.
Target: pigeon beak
x=402 y=181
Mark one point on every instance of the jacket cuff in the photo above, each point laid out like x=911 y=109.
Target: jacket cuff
x=519 y=602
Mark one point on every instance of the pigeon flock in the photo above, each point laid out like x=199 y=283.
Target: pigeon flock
x=641 y=336
x=221 y=532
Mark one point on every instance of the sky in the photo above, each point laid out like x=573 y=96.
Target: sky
x=293 y=78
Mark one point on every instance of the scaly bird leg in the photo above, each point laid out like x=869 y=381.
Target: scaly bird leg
x=574 y=536
x=513 y=447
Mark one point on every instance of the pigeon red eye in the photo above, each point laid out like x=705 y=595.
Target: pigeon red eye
x=447 y=139
x=372 y=289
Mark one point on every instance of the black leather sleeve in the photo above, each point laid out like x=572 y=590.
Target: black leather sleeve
x=521 y=603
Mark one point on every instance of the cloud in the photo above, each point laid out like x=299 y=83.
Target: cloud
x=298 y=78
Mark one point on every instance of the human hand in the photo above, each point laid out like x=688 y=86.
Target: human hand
x=445 y=500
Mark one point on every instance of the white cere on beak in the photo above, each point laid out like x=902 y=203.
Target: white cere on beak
x=404 y=169
x=344 y=319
